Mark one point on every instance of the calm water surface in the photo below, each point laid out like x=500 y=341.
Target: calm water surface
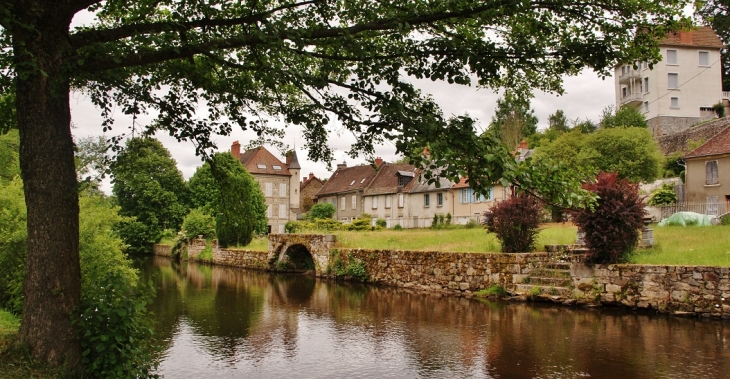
x=216 y=322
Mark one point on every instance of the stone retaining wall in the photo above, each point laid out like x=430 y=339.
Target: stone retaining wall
x=680 y=141
x=680 y=290
x=162 y=250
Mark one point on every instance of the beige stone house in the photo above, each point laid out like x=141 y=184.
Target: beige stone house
x=308 y=188
x=707 y=175
x=344 y=189
x=468 y=205
x=279 y=182
x=387 y=196
x=680 y=90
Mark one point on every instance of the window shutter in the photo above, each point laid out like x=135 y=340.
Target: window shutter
x=715 y=173
x=461 y=195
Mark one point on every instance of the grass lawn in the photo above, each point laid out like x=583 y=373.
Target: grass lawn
x=691 y=245
x=15 y=362
x=454 y=240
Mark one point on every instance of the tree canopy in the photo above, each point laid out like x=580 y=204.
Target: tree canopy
x=308 y=63
x=150 y=188
x=631 y=152
x=626 y=116
x=513 y=119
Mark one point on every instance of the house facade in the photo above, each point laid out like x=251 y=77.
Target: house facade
x=681 y=89
x=308 y=188
x=396 y=193
x=707 y=175
x=279 y=182
x=387 y=195
x=344 y=189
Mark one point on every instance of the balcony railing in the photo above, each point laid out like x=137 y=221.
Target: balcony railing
x=726 y=95
x=632 y=99
x=632 y=74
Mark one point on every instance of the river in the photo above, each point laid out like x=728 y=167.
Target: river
x=219 y=322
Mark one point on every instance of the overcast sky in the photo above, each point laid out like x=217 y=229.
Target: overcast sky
x=585 y=96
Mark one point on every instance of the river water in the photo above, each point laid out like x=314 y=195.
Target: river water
x=217 y=322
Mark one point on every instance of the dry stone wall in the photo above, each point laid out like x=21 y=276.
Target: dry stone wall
x=681 y=290
x=680 y=141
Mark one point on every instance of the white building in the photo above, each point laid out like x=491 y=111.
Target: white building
x=680 y=90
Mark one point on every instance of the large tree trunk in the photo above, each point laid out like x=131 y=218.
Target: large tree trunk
x=52 y=284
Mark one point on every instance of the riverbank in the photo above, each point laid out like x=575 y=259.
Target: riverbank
x=561 y=276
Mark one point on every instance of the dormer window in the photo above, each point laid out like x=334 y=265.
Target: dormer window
x=404 y=177
x=261 y=166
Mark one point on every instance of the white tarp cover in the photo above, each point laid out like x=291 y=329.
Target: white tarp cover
x=686 y=219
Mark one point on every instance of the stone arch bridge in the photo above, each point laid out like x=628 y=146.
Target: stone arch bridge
x=301 y=251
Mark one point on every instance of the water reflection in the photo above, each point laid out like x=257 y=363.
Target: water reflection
x=222 y=322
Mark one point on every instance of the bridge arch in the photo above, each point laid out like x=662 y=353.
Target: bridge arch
x=303 y=251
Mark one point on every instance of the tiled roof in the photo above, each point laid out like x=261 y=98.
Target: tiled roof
x=260 y=161
x=717 y=145
x=386 y=180
x=347 y=179
x=703 y=36
x=421 y=185
x=461 y=184
x=293 y=161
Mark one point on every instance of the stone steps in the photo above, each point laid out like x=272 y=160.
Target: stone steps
x=529 y=289
x=549 y=281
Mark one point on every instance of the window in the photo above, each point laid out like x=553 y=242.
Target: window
x=375 y=202
x=674 y=102
x=352 y=182
x=403 y=180
x=645 y=65
x=400 y=200
x=704 y=58
x=711 y=173
x=387 y=201
x=334 y=202
x=342 y=203
x=646 y=106
x=261 y=166
x=269 y=189
x=646 y=85
x=439 y=199
x=282 y=229
x=362 y=181
x=277 y=168
x=354 y=201
x=671 y=56
x=282 y=211
x=672 y=80
x=426 y=200
x=623 y=70
x=282 y=189
x=624 y=92
x=269 y=211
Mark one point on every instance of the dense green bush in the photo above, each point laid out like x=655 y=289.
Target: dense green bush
x=663 y=195
x=612 y=228
x=321 y=211
x=198 y=222
x=362 y=222
x=516 y=222
x=111 y=321
x=13 y=236
x=327 y=224
x=381 y=223
x=397 y=227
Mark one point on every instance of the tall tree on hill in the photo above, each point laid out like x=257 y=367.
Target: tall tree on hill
x=716 y=13
x=150 y=188
x=305 y=62
x=558 y=122
x=513 y=119
x=623 y=117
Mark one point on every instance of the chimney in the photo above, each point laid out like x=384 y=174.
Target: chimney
x=685 y=37
x=342 y=165
x=378 y=162
x=426 y=153
x=236 y=149
x=311 y=176
x=522 y=146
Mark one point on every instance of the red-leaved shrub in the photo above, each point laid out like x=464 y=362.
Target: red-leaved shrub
x=612 y=228
x=516 y=222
